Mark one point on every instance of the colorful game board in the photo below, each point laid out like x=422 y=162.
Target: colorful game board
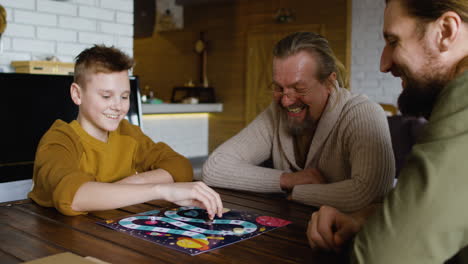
x=187 y=229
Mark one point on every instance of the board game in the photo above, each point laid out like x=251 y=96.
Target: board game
x=188 y=229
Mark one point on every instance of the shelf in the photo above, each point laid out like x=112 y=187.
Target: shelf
x=180 y=108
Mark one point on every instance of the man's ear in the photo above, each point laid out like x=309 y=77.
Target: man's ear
x=332 y=83
x=76 y=92
x=449 y=25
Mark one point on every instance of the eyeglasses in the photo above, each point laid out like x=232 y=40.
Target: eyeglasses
x=278 y=90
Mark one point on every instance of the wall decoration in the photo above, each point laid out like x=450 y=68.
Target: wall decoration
x=169 y=16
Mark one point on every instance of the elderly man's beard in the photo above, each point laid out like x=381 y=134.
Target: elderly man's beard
x=299 y=128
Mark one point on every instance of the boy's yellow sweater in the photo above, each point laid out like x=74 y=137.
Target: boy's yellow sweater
x=67 y=157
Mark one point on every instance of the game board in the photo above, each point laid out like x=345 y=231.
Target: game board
x=187 y=229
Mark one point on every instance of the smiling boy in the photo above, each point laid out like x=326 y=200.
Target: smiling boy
x=100 y=161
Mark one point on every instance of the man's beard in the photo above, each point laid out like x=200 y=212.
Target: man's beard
x=306 y=126
x=418 y=98
x=419 y=95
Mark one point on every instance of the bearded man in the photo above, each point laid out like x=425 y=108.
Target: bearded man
x=327 y=146
x=424 y=219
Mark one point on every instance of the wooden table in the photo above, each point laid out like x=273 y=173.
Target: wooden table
x=28 y=231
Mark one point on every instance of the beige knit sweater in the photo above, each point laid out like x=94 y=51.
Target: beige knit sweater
x=351 y=148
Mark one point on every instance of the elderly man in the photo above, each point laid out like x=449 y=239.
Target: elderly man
x=327 y=145
x=424 y=219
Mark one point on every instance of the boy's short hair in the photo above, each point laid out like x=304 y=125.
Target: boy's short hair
x=100 y=59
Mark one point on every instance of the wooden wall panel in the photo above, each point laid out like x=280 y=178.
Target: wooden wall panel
x=167 y=59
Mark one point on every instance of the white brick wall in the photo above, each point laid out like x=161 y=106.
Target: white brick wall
x=125 y=18
x=70 y=49
x=122 y=5
x=41 y=28
x=90 y=38
x=82 y=24
x=19 y=30
x=97 y=13
x=56 y=34
x=86 y=2
x=367 y=44
x=34 y=18
x=55 y=7
x=31 y=45
x=24 y=4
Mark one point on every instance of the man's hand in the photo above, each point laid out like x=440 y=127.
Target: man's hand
x=306 y=176
x=192 y=194
x=329 y=229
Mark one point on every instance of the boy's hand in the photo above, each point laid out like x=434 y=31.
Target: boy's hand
x=193 y=194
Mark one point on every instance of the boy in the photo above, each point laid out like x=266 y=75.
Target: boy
x=100 y=161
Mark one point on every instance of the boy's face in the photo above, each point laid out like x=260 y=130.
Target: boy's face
x=103 y=102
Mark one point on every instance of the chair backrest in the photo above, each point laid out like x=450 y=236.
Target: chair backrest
x=404 y=132
x=389 y=109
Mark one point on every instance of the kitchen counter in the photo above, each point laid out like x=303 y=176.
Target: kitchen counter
x=184 y=127
x=180 y=108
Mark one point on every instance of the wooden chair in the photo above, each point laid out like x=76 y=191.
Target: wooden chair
x=389 y=109
x=404 y=132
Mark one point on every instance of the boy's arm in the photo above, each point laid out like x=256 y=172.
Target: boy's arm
x=161 y=156
x=153 y=176
x=95 y=196
x=74 y=192
x=57 y=176
x=152 y=156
